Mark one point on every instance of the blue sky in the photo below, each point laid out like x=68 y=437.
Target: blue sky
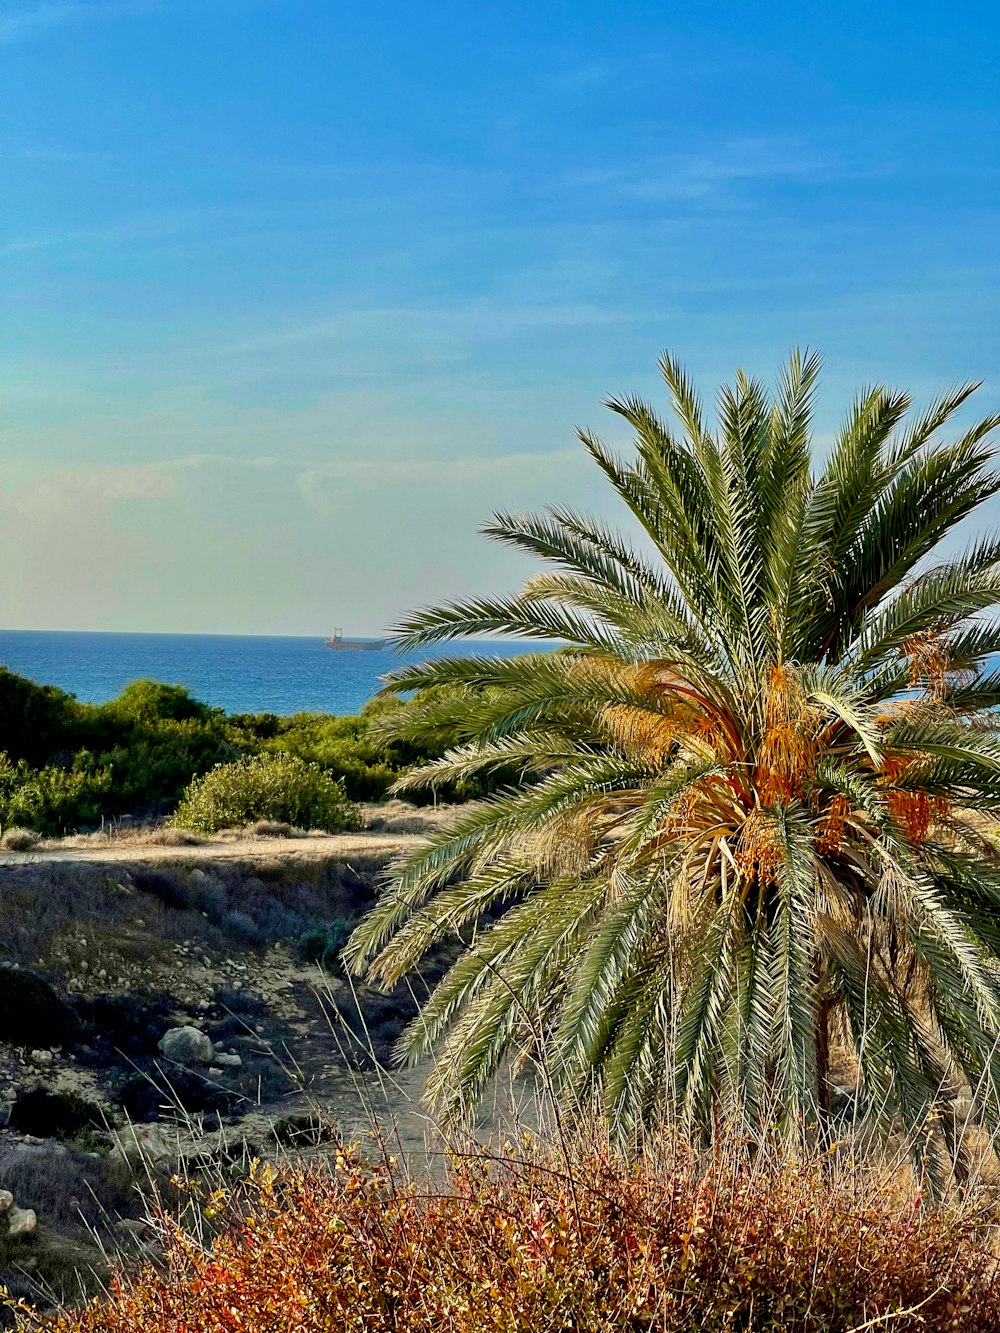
x=294 y=293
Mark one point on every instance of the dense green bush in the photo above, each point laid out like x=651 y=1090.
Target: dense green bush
x=36 y=721
x=280 y=787
x=52 y=800
x=153 y=766
x=74 y=762
x=343 y=745
x=150 y=701
x=323 y=944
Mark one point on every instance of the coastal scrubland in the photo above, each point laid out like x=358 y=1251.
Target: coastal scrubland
x=68 y=766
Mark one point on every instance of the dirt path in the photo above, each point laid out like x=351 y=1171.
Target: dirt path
x=126 y=851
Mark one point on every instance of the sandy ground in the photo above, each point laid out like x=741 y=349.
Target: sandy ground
x=394 y=829
x=123 y=851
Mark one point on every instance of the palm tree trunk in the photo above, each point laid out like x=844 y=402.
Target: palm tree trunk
x=823 y=1061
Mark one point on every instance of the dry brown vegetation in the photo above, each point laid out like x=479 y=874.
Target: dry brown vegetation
x=533 y=1239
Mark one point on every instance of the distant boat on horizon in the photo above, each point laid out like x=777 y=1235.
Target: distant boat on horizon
x=339 y=644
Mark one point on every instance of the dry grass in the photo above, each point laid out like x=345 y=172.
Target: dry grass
x=19 y=840
x=402 y=817
x=391 y=817
x=271 y=828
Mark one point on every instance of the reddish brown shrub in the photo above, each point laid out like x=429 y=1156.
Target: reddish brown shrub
x=521 y=1244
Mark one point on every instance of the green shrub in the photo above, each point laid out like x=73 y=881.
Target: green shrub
x=277 y=787
x=153 y=739
x=36 y=721
x=52 y=800
x=154 y=763
x=152 y=701
x=323 y=945
x=138 y=753
x=344 y=746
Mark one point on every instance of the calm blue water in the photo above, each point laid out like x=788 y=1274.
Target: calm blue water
x=237 y=673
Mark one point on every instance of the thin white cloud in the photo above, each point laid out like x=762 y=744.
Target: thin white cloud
x=37 y=20
x=479 y=322
x=141 y=228
x=329 y=488
x=325 y=488
x=209 y=542
x=72 y=490
x=708 y=175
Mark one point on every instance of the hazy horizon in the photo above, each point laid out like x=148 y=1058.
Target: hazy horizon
x=295 y=295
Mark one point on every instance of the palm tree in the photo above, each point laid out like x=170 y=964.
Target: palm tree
x=748 y=817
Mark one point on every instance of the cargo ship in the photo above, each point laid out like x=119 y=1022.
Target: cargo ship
x=341 y=645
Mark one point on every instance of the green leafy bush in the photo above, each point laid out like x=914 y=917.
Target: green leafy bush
x=344 y=746
x=151 y=741
x=153 y=765
x=36 y=721
x=278 y=787
x=152 y=701
x=52 y=800
x=323 y=945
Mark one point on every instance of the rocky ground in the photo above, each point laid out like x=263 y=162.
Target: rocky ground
x=168 y=1008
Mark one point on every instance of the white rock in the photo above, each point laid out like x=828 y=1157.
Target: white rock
x=187 y=1046
x=41 y=1057
x=6 y=1200
x=21 y=1221
x=146 y=1145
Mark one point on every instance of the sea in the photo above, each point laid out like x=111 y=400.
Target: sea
x=238 y=673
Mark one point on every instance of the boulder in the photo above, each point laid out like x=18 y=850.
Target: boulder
x=20 y=1221
x=187 y=1046
x=147 y=1145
